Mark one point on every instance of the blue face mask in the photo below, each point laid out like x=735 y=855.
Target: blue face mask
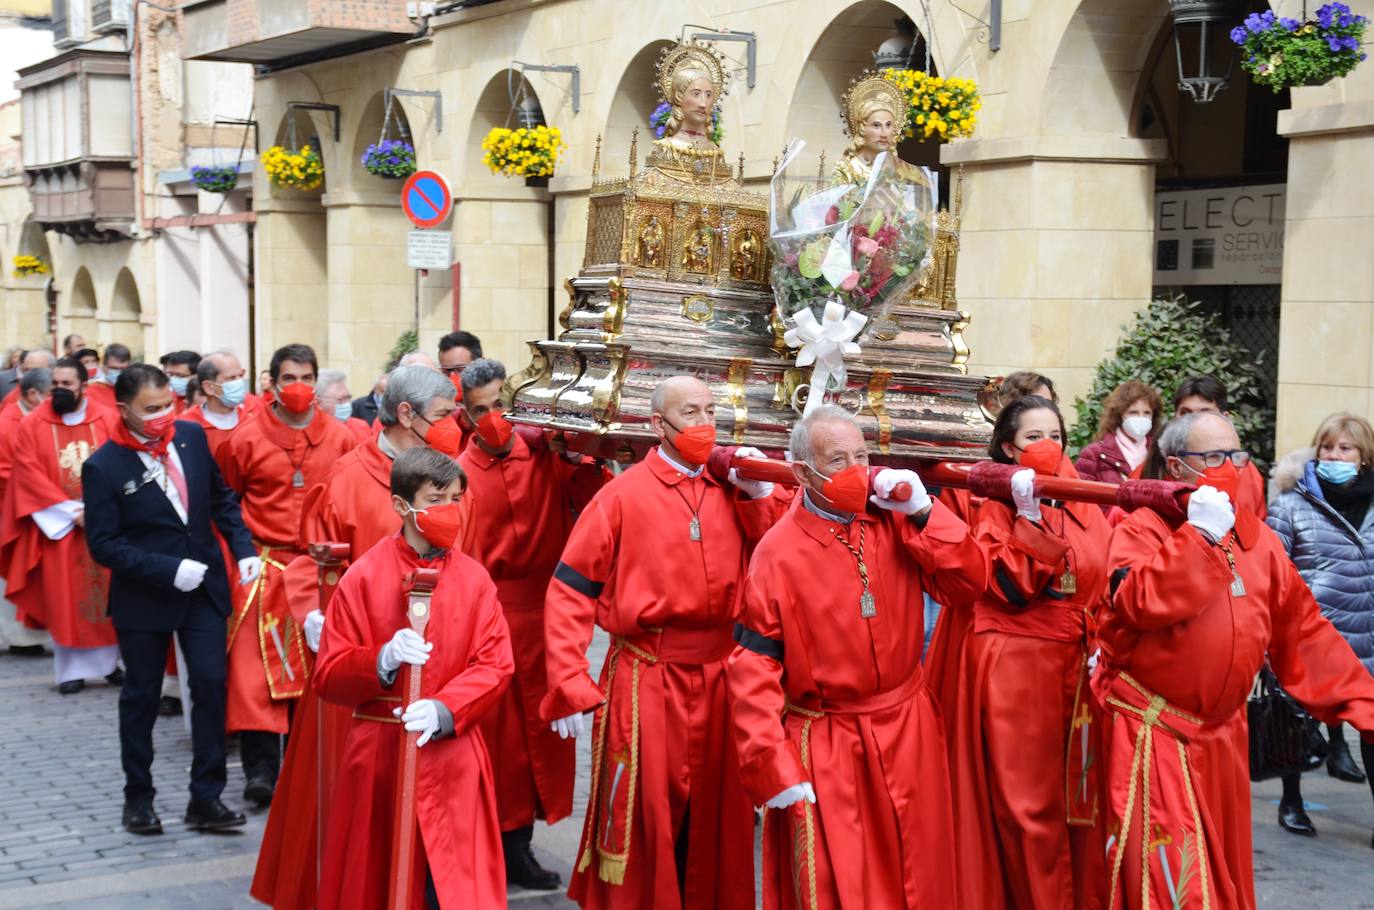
x=233 y=392
x=112 y=375
x=343 y=410
x=1337 y=472
x=179 y=384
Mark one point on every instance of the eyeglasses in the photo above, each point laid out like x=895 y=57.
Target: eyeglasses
x=449 y=371
x=1216 y=458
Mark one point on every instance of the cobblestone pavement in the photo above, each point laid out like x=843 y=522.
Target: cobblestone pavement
x=62 y=847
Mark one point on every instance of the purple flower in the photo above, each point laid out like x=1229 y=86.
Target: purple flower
x=1291 y=24
x=1238 y=34
x=1334 y=42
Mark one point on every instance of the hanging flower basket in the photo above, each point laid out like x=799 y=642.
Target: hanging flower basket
x=302 y=170
x=532 y=152
x=215 y=179
x=941 y=108
x=25 y=265
x=1282 y=52
x=393 y=159
x=659 y=121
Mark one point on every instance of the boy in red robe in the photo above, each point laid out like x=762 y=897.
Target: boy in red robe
x=49 y=574
x=834 y=726
x=466 y=661
x=1196 y=608
x=525 y=499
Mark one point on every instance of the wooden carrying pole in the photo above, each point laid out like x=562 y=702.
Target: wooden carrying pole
x=419 y=588
x=329 y=559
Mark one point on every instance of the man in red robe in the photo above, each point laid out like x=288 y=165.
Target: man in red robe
x=180 y=367
x=100 y=388
x=34 y=387
x=832 y=719
x=465 y=661
x=33 y=360
x=224 y=384
x=1197 y=606
x=353 y=507
x=658 y=560
x=334 y=398
x=456 y=351
x=272 y=461
x=525 y=498
x=1206 y=395
x=49 y=574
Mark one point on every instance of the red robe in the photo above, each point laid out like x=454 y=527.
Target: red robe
x=661 y=735
x=1023 y=748
x=267 y=655
x=524 y=505
x=455 y=800
x=213 y=434
x=1180 y=650
x=102 y=393
x=820 y=694
x=10 y=415
x=54 y=583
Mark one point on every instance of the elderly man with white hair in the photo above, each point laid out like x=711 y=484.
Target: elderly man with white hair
x=1200 y=601
x=333 y=397
x=835 y=727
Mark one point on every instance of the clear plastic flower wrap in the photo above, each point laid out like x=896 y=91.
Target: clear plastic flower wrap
x=862 y=246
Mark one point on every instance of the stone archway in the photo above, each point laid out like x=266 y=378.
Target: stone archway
x=375 y=123
x=497 y=106
x=634 y=101
x=79 y=316
x=126 y=311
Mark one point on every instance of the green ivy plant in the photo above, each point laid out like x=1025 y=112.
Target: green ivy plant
x=408 y=341
x=1171 y=340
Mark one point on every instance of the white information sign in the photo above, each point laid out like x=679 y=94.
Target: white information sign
x=1227 y=235
x=429 y=249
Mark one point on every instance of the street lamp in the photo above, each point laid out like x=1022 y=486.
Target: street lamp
x=1200 y=36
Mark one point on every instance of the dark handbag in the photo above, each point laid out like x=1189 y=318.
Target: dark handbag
x=1284 y=738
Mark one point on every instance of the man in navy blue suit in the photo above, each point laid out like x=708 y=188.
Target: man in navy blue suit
x=152 y=494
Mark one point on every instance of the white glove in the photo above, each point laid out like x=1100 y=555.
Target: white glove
x=421 y=717
x=571 y=726
x=250 y=567
x=754 y=489
x=314 y=626
x=189 y=575
x=887 y=480
x=1210 y=511
x=405 y=647
x=793 y=795
x=1023 y=494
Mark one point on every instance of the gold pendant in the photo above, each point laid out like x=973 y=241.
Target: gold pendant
x=298 y=480
x=1068 y=583
x=1237 y=585
x=868 y=607
x=694 y=529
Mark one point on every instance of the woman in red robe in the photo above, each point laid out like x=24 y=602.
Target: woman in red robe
x=1023 y=748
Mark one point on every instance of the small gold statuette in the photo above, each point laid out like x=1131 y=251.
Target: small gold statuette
x=868 y=607
x=694 y=529
x=1068 y=583
x=651 y=243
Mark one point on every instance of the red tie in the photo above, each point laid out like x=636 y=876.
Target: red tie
x=179 y=481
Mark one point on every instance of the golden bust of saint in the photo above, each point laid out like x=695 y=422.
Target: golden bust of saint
x=692 y=80
x=875 y=113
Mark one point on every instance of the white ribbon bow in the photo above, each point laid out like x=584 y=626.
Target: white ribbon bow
x=825 y=343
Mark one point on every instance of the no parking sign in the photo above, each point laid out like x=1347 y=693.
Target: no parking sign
x=426 y=199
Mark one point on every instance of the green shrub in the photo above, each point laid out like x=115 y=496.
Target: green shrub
x=407 y=342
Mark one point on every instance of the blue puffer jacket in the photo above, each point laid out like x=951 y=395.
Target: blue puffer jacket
x=1335 y=559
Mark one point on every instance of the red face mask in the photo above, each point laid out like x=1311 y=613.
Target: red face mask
x=444 y=436
x=457 y=380
x=1044 y=456
x=847 y=490
x=92 y=372
x=1225 y=478
x=296 y=397
x=158 y=427
x=694 y=443
x=439 y=524
x=494 y=429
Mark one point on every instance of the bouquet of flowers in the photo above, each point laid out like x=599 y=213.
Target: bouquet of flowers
x=215 y=179
x=659 y=121
x=25 y=265
x=532 y=152
x=302 y=170
x=941 y=108
x=391 y=158
x=1283 y=52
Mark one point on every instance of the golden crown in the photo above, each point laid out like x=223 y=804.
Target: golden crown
x=693 y=56
x=871 y=93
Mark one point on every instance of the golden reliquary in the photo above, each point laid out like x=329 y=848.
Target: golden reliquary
x=675 y=280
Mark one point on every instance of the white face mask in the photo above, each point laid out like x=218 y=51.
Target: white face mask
x=1137 y=427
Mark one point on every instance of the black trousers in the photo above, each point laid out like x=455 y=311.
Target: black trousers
x=202 y=637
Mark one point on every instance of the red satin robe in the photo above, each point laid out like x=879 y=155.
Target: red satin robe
x=54 y=583
x=820 y=693
x=660 y=738
x=268 y=666
x=455 y=799
x=523 y=510
x=1023 y=747
x=213 y=434
x=1180 y=650
x=102 y=393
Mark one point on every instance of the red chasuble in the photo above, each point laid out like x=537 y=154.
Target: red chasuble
x=1182 y=640
x=102 y=393
x=523 y=509
x=272 y=467
x=661 y=735
x=54 y=583
x=10 y=415
x=1024 y=751
x=821 y=693
x=455 y=799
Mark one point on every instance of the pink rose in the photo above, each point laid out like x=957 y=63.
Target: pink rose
x=850 y=281
x=866 y=246
x=832 y=215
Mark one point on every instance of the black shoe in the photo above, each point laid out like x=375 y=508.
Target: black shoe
x=27 y=651
x=1340 y=764
x=1293 y=819
x=141 y=818
x=71 y=686
x=116 y=678
x=212 y=815
x=523 y=869
x=259 y=790
x=168 y=706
